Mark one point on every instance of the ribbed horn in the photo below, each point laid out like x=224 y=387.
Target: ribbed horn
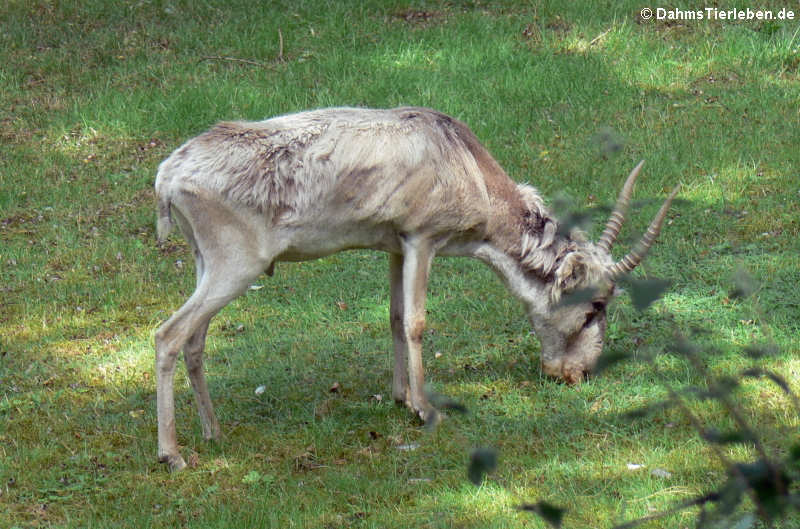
x=617 y=217
x=632 y=260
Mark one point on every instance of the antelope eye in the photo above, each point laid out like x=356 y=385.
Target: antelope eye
x=598 y=307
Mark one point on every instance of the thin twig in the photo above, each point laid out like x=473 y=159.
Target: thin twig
x=741 y=422
x=778 y=380
x=231 y=59
x=698 y=425
x=702 y=500
x=280 y=45
x=600 y=36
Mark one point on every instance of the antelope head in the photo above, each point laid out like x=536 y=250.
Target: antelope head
x=572 y=325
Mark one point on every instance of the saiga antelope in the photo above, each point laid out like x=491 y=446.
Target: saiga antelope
x=412 y=182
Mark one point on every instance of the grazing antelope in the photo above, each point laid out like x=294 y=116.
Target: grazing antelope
x=412 y=182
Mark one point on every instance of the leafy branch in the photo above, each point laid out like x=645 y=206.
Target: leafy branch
x=769 y=481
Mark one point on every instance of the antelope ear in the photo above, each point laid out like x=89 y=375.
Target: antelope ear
x=572 y=273
x=531 y=197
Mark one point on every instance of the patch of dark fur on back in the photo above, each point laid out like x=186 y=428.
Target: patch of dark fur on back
x=534 y=233
x=358 y=184
x=532 y=236
x=262 y=163
x=498 y=183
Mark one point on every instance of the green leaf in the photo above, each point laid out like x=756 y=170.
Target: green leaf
x=776 y=378
x=743 y=285
x=683 y=347
x=769 y=482
x=608 y=141
x=574 y=216
x=649 y=409
x=723 y=386
x=609 y=358
x=550 y=513
x=761 y=350
x=443 y=402
x=582 y=295
x=580 y=219
x=646 y=291
x=481 y=461
x=745 y=522
x=712 y=435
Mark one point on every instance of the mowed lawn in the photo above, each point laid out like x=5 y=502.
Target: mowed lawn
x=567 y=96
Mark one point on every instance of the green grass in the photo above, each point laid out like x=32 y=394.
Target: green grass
x=94 y=94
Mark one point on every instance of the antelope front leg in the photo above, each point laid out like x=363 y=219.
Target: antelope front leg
x=400 y=387
x=416 y=262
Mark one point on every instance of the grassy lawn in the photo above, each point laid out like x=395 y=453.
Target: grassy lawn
x=568 y=96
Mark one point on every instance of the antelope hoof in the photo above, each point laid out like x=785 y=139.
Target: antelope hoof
x=429 y=415
x=175 y=463
x=575 y=375
x=426 y=413
x=401 y=400
x=571 y=374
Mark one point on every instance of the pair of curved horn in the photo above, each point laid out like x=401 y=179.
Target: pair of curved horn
x=614 y=225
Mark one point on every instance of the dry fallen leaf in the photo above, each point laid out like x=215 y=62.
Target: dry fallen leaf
x=307 y=460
